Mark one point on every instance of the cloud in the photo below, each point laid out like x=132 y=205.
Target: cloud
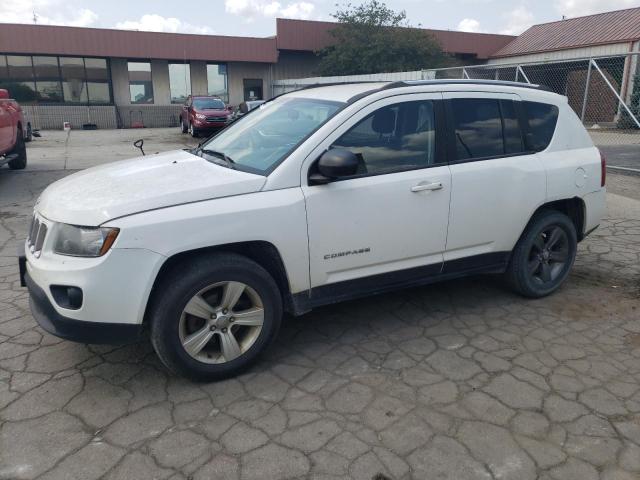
x=249 y=9
x=469 y=25
x=517 y=21
x=157 y=23
x=48 y=12
x=579 y=8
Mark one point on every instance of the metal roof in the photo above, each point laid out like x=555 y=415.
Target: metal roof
x=307 y=35
x=620 y=26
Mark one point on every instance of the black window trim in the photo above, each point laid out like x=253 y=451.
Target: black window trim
x=440 y=144
x=451 y=137
x=525 y=128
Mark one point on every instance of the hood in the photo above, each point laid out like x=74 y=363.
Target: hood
x=211 y=110
x=98 y=194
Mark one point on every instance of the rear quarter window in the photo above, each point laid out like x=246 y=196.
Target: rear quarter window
x=541 y=119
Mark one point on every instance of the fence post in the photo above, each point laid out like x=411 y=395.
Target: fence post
x=586 y=92
x=595 y=64
x=464 y=73
x=523 y=74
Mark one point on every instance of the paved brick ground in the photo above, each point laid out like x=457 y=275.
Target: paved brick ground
x=462 y=380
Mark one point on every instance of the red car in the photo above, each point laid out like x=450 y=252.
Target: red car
x=13 y=133
x=204 y=113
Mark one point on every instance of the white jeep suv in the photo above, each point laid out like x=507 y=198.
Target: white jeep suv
x=315 y=197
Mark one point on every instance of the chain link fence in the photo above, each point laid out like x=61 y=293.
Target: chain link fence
x=603 y=91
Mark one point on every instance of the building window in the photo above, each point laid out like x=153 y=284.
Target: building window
x=47 y=75
x=179 y=82
x=252 y=89
x=74 y=84
x=21 y=84
x=140 y=84
x=98 y=86
x=50 y=79
x=217 y=81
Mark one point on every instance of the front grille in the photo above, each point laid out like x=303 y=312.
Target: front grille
x=37 y=234
x=216 y=119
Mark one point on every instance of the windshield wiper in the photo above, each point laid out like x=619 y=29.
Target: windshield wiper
x=229 y=162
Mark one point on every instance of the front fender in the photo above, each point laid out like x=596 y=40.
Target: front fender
x=277 y=217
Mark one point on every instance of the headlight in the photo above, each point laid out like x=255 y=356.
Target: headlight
x=84 y=241
x=200 y=116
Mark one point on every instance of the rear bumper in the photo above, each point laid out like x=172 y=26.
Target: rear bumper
x=76 y=330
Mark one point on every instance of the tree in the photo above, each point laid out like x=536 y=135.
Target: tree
x=372 y=38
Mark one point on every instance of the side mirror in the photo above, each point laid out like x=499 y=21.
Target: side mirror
x=334 y=164
x=4 y=94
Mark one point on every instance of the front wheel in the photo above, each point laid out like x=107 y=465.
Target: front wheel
x=193 y=131
x=213 y=316
x=544 y=255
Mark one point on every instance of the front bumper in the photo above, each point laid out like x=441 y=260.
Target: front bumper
x=115 y=290
x=76 y=330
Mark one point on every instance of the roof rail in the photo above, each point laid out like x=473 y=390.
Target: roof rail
x=504 y=83
x=411 y=83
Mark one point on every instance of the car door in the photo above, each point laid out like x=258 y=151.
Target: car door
x=387 y=224
x=497 y=185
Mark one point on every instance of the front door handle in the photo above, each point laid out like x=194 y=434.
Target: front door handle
x=421 y=187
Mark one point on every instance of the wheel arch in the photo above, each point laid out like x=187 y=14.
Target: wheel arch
x=573 y=207
x=262 y=252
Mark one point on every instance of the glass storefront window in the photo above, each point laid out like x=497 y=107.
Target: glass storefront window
x=74 y=84
x=217 y=81
x=47 y=76
x=50 y=79
x=140 y=83
x=21 y=85
x=97 y=80
x=179 y=81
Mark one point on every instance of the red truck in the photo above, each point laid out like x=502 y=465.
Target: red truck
x=14 y=131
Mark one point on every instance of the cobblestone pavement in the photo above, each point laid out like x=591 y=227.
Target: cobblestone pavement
x=461 y=380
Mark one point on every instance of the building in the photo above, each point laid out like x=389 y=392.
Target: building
x=115 y=78
x=558 y=55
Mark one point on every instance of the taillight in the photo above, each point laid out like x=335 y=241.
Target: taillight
x=603 y=169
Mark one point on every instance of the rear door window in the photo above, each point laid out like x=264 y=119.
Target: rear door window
x=477 y=128
x=542 y=119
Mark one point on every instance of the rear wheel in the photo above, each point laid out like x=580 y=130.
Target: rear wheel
x=544 y=255
x=20 y=149
x=214 y=316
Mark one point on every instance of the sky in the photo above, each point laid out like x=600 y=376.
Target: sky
x=256 y=18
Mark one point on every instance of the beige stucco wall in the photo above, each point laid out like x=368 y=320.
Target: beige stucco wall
x=238 y=71
x=198 y=77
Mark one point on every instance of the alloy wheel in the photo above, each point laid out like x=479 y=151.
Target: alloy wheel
x=549 y=255
x=221 y=322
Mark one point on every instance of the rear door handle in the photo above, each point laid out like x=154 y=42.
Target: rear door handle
x=423 y=186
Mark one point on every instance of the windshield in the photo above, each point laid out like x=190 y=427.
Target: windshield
x=258 y=142
x=204 y=103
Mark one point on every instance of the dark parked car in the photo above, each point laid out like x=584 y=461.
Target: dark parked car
x=204 y=114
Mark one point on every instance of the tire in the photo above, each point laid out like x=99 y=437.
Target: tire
x=21 y=150
x=193 y=131
x=544 y=255
x=211 y=278
x=183 y=127
x=29 y=136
